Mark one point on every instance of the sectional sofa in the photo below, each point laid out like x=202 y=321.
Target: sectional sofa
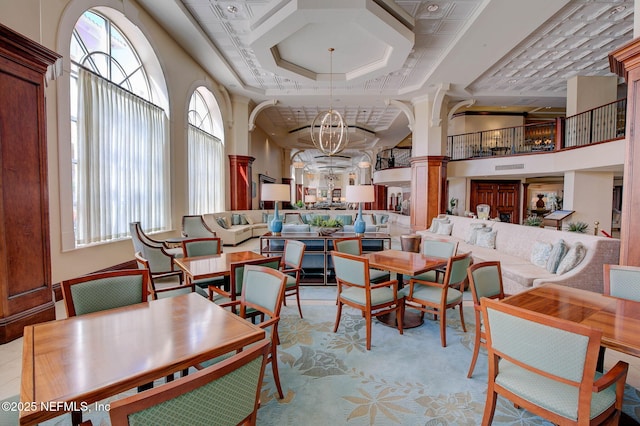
x=528 y=254
x=235 y=227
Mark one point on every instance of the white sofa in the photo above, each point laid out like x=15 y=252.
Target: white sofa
x=237 y=231
x=513 y=248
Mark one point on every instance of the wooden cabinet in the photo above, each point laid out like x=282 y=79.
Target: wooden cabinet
x=502 y=196
x=25 y=261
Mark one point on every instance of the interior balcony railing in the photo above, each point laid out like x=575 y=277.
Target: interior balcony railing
x=394 y=157
x=601 y=124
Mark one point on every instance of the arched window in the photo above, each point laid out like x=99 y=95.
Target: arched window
x=120 y=139
x=206 y=154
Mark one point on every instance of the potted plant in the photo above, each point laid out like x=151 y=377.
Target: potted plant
x=326 y=226
x=453 y=203
x=533 y=221
x=580 y=227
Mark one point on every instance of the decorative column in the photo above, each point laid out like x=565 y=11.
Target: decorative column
x=381 y=198
x=240 y=182
x=626 y=63
x=428 y=189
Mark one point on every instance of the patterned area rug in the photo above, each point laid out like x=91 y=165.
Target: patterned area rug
x=331 y=379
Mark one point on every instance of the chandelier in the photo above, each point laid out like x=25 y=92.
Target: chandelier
x=332 y=134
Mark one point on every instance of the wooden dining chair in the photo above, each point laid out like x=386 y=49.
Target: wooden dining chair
x=158 y=254
x=353 y=245
x=436 y=297
x=356 y=290
x=436 y=248
x=263 y=292
x=105 y=290
x=227 y=393
x=194 y=226
x=485 y=280
x=622 y=281
x=547 y=366
x=292 y=267
x=159 y=290
x=201 y=246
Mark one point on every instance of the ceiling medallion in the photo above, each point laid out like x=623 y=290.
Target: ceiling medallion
x=329 y=132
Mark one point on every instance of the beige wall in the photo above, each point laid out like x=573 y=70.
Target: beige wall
x=47 y=22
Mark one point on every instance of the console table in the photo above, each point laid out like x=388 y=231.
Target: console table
x=317 y=255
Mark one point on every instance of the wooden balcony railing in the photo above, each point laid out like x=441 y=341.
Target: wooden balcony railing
x=601 y=124
x=394 y=157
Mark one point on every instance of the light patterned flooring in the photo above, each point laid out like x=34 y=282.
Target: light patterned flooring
x=11 y=353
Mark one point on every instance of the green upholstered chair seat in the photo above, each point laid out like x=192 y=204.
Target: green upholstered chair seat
x=291 y=281
x=205 y=282
x=177 y=252
x=432 y=294
x=378 y=295
x=558 y=397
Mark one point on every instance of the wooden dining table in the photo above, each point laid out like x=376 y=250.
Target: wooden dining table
x=211 y=266
x=404 y=263
x=619 y=319
x=72 y=364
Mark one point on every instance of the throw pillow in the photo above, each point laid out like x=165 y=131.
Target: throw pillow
x=222 y=222
x=445 y=229
x=248 y=219
x=235 y=219
x=558 y=251
x=572 y=259
x=540 y=253
x=243 y=219
x=384 y=218
x=264 y=217
x=472 y=233
x=435 y=224
x=486 y=239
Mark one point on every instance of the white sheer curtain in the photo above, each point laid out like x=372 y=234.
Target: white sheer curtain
x=206 y=172
x=123 y=162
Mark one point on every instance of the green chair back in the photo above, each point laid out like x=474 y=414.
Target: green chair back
x=439 y=248
x=262 y=289
x=105 y=290
x=201 y=247
x=226 y=393
x=194 y=226
x=349 y=269
x=486 y=281
x=457 y=268
x=293 y=253
x=237 y=269
x=349 y=246
x=624 y=282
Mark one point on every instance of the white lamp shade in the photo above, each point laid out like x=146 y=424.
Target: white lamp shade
x=275 y=192
x=310 y=199
x=360 y=194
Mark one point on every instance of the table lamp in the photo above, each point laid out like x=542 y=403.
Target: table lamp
x=360 y=194
x=275 y=192
x=310 y=199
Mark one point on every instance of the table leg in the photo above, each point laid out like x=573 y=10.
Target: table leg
x=410 y=320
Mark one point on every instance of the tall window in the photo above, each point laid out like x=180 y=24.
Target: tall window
x=206 y=154
x=119 y=137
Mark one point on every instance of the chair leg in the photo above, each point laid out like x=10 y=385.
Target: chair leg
x=274 y=368
x=489 y=407
x=368 y=327
x=464 y=328
x=476 y=350
x=400 y=316
x=443 y=328
x=298 y=300
x=338 y=314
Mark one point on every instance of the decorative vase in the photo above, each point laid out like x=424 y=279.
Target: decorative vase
x=540 y=202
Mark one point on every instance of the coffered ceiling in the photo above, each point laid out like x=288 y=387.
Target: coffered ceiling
x=500 y=53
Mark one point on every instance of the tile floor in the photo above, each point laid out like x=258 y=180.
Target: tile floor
x=11 y=353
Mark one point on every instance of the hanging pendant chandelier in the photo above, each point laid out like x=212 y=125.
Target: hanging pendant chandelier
x=329 y=132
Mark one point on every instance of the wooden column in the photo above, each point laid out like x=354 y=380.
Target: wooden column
x=240 y=182
x=428 y=189
x=25 y=259
x=626 y=63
